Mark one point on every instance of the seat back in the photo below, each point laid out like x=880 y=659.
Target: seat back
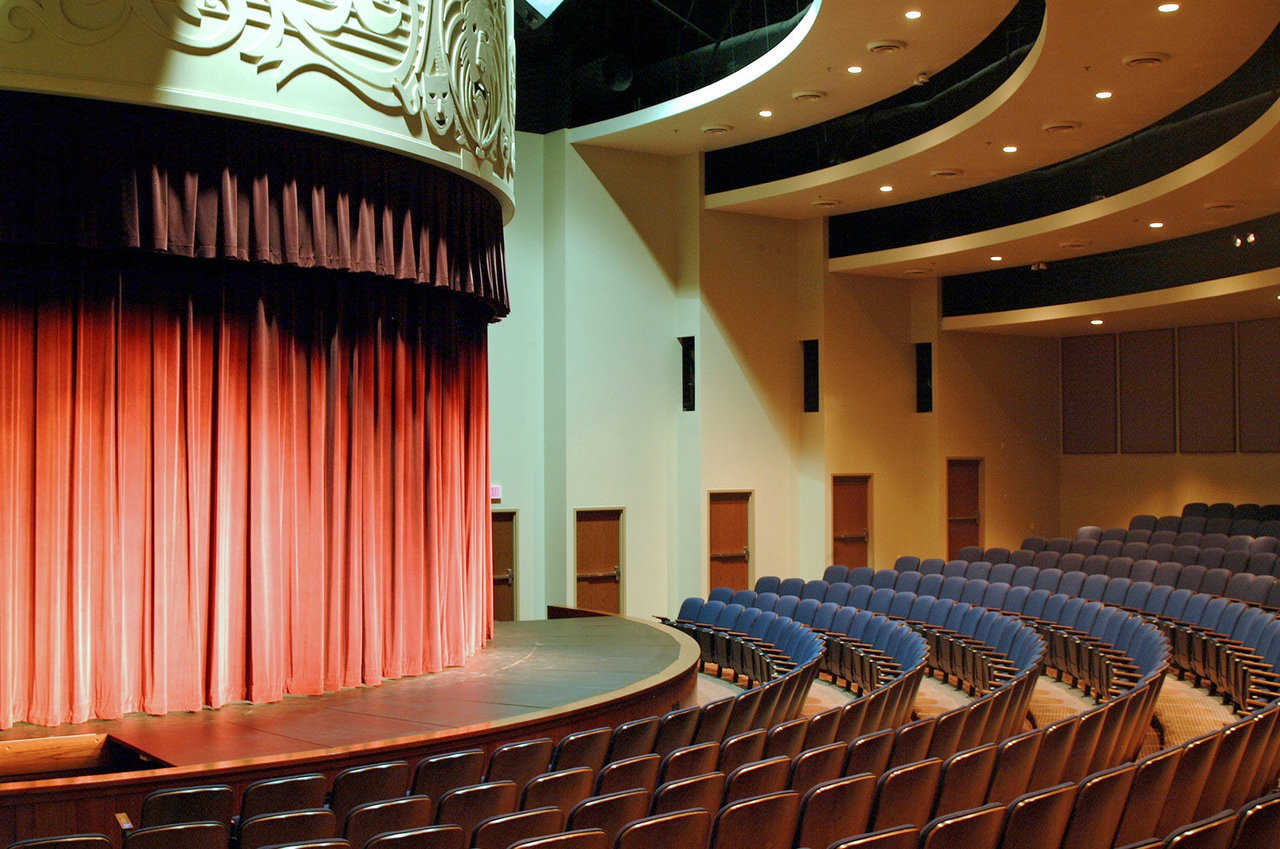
x=1151 y=783
x=897 y=837
x=467 y=807
x=835 y=809
x=581 y=748
x=691 y=760
x=816 y=766
x=966 y=776
x=371 y=818
x=1100 y=799
x=1039 y=819
x=757 y=778
x=560 y=789
x=629 y=773
x=637 y=736
x=689 y=828
x=287 y=793
x=369 y=783
x=763 y=822
x=676 y=729
x=978 y=828
x=697 y=791
x=287 y=827
x=609 y=812
x=204 y=803
x=435 y=775
x=430 y=837
x=502 y=830
x=906 y=793
x=589 y=838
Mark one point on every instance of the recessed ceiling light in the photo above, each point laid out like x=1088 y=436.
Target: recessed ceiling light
x=886 y=45
x=1102 y=95
x=1156 y=225
x=1010 y=148
x=766 y=113
x=807 y=95
x=854 y=69
x=946 y=172
x=1095 y=322
x=1168 y=7
x=1145 y=60
x=717 y=129
x=825 y=202
x=886 y=188
x=997 y=258
x=914 y=14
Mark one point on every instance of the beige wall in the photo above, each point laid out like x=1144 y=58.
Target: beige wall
x=1109 y=489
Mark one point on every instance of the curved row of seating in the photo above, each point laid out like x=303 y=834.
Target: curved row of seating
x=1257 y=557
x=1230 y=542
x=1093 y=579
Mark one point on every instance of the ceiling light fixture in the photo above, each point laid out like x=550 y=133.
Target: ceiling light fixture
x=946 y=172
x=1010 y=148
x=886 y=45
x=913 y=15
x=997 y=258
x=1095 y=322
x=825 y=202
x=1156 y=225
x=886 y=188
x=765 y=113
x=1167 y=8
x=854 y=69
x=807 y=95
x=1102 y=95
x=717 y=129
x=1251 y=238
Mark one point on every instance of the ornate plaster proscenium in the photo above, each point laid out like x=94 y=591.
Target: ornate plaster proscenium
x=434 y=79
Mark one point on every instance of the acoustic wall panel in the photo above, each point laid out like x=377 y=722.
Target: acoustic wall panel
x=1089 y=394
x=1207 y=388
x=1257 y=344
x=1147 y=392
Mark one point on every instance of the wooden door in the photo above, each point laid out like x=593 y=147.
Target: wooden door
x=730 y=541
x=964 y=504
x=598 y=549
x=504 y=565
x=850 y=520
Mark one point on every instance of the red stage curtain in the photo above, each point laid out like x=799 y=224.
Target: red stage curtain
x=223 y=482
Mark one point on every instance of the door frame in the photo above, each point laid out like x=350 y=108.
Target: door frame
x=622 y=553
x=515 y=556
x=871 y=515
x=946 y=499
x=751 y=536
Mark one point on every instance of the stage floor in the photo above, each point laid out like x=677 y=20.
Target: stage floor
x=529 y=670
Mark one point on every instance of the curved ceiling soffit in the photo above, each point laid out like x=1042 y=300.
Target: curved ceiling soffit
x=794 y=197
x=894 y=153
x=1249 y=151
x=684 y=103
x=673 y=128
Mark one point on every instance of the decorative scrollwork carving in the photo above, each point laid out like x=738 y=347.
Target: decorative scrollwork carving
x=445 y=66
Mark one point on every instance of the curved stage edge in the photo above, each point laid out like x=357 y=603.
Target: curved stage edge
x=534 y=679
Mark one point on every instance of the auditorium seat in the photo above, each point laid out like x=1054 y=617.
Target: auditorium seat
x=371 y=818
x=1189 y=778
x=287 y=827
x=430 y=837
x=1014 y=763
x=581 y=748
x=896 y=837
x=762 y=822
x=977 y=828
x=684 y=829
x=502 y=830
x=435 y=775
x=590 y=838
x=735 y=751
x=610 y=812
x=287 y=793
x=519 y=761
x=1213 y=832
x=906 y=793
x=636 y=737
x=816 y=766
x=188 y=835
x=756 y=779
x=691 y=760
x=65 y=841
x=628 y=773
x=466 y=807
x=1099 y=804
x=368 y=783
x=697 y=791
x=1258 y=824
x=561 y=789
x=966 y=776
x=201 y=803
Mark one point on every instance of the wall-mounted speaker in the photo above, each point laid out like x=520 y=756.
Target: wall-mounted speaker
x=810 y=349
x=924 y=377
x=686 y=372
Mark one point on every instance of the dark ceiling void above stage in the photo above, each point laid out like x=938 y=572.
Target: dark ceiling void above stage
x=945 y=95
x=597 y=59
x=1174 y=262
x=1182 y=137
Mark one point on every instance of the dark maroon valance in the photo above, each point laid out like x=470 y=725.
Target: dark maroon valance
x=105 y=175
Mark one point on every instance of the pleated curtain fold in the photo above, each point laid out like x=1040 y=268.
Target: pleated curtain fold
x=222 y=481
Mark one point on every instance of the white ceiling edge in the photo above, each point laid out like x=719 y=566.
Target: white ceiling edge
x=1117 y=204
x=741 y=78
x=1024 y=320
x=893 y=154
